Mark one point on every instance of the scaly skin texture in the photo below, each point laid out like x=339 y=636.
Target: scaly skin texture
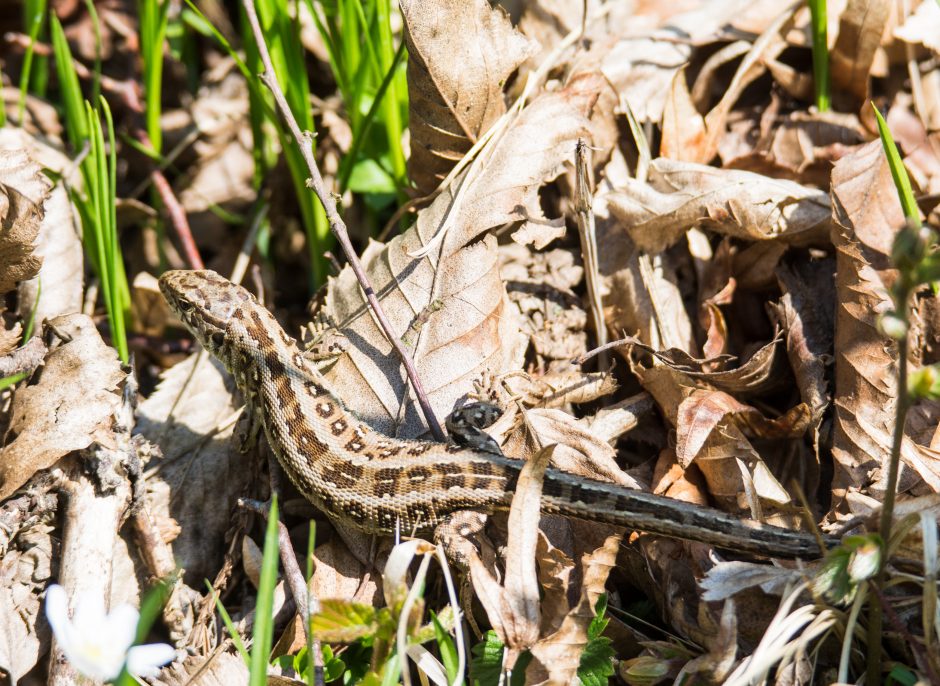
x=374 y=482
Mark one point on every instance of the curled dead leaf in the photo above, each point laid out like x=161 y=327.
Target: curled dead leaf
x=47 y=421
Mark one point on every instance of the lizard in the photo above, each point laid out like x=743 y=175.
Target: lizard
x=379 y=484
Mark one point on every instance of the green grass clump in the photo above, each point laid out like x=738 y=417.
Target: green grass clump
x=96 y=201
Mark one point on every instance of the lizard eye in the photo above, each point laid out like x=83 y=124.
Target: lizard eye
x=218 y=338
x=184 y=305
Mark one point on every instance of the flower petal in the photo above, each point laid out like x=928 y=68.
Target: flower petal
x=146 y=660
x=120 y=627
x=57 y=612
x=90 y=615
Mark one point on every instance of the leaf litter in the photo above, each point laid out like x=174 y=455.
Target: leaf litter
x=744 y=244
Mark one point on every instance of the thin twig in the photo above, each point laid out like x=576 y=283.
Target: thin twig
x=175 y=212
x=891 y=487
x=304 y=142
x=584 y=214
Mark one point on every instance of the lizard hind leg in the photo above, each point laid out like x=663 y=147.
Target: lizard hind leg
x=457 y=534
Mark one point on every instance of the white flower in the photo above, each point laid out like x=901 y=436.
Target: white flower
x=98 y=644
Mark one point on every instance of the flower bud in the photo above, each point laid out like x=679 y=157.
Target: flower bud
x=910 y=246
x=893 y=326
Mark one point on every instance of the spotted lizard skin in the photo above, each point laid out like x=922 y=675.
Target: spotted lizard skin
x=375 y=483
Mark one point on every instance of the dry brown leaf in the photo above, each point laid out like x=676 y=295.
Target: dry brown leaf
x=472 y=330
x=513 y=607
x=866 y=212
x=920 y=155
x=641 y=66
x=801 y=147
x=642 y=292
x=460 y=54
x=684 y=135
x=555 y=571
x=766 y=48
x=219 y=669
x=58 y=243
x=861 y=27
x=47 y=422
x=743 y=205
x=922 y=27
x=806 y=312
x=24 y=569
x=730 y=464
x=703 y=412
x=578 y=450
x=201 y=474
x=557 y=656
x=20 y=217
x=338 y=574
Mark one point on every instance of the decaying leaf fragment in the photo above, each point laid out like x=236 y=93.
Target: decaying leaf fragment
x=19 y=218
x=71 y=405
x=734 y=203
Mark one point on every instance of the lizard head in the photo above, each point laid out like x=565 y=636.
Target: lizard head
x=205 y=302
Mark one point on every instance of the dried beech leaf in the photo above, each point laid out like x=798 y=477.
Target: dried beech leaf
x=866 y=212
x=683 y=127
x=24 y=568
x=556 y=572
x=58 y=244
x=220 y=669
x=338 y=574
x=47 y=421
x=861 y=27
x=469 y=328
x=733 y=203
x=557 y=656
x=702 y=412
x=642 y=292
x=922 y=27
x=642 y=65
x=20 y=217
x=460 y=54
x=577 y=451
x=513 y=608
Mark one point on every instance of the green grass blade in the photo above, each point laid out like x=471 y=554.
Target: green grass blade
x=229 y=625
x=901 y=181
x=76 y=123
x=96 y=72
x=35 y=20
x=263 y=632
x=817 y=10
x=349 y=162
x=153 y=23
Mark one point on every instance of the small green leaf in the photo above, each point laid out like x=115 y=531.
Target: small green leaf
x=447 y=648
x=333 y=667
x=487 y=662
x=368 y=177
x=595 y=667
x=902 y=675
x=342 y=621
